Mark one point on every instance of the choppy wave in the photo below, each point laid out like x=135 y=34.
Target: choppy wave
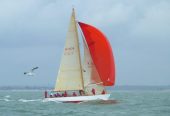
x=29 y=100
x=124 y=103
x=5 y=99
x=7 y=96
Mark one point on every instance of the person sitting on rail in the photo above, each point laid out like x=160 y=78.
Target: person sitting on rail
x=103 y=92
x=74 y=94
x=65 y=94
x=93 y=91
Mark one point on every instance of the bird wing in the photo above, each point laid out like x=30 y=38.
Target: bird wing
x=34 y=68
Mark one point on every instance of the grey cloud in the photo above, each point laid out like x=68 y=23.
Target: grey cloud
x=33 y=32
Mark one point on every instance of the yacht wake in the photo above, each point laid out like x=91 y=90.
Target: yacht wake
x=29 y=100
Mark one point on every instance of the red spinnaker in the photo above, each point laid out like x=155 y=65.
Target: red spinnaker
x=101 y=52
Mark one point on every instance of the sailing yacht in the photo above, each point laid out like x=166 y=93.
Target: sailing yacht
x=84 y=80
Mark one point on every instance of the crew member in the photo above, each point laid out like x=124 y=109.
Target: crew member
x=103 y=92
x=45 y=94
x=93 y=91
x=74 y=94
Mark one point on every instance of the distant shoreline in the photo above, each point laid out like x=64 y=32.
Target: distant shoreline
x=122 y=87
x=25 y=88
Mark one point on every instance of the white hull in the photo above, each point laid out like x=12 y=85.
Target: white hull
x=79 y=98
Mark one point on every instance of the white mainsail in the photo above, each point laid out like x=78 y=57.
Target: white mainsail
x=90 y=75
x=70 y=72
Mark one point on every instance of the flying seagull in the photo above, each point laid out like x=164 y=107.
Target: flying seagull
x=31 y=73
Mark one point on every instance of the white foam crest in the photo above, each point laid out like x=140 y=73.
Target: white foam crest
x=44 y=100
x=7 y=96
x=29 y=100
x=5 y=99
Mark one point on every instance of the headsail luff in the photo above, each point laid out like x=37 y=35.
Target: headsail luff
x=70 y=72
x=101 y=53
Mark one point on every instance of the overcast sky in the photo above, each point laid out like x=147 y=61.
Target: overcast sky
x=33 y=32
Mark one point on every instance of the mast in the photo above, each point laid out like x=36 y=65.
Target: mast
x=78 y=46
x=70 y=75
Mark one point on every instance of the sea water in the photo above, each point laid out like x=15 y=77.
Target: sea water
x=122 y=103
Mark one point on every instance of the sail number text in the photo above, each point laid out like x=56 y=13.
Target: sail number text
x=69 y=51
